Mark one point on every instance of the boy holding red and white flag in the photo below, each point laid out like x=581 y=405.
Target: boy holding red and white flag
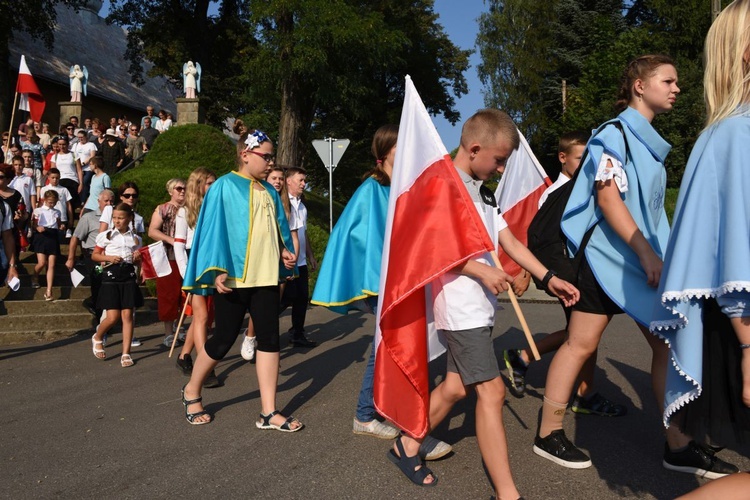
x=440 y=219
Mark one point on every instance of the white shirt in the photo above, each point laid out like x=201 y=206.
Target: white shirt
x=84 y=152
x=461 y=302
x=136 y=224
x=47 y=217
x=118 y=244
x=66 y=164
x=606 y=172
x=24 y=185
x=63 y=197
x=163 y=126
x=562 y=179
x=183 y=239
x=298 y=217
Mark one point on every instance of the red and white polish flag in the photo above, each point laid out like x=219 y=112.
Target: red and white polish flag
x=30 y=98
x=518 y=194
x=154 y=261
x=431 y=227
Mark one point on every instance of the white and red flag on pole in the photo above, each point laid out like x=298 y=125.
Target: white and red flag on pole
x=518 y=195
x=31 y=98
x=432 y=226
x=154 y=261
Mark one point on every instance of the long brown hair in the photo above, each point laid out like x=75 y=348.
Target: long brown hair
x=194 y=193
x=382 y=143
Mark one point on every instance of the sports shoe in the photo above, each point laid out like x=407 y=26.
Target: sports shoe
x=695 y=459
x=558 y=448
x=517 y=369
x=302 y=341
x=212 y=381
x=432 y=449
x=134 y=342
x=248 y=348
x=68 y=234
x=375 y=428
x=597 y=405
x=168 y=341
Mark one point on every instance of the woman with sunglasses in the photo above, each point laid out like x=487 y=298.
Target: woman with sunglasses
x=162 y=228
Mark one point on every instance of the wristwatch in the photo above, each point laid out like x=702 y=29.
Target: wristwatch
x=547 y=277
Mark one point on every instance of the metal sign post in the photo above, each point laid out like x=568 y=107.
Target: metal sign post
x=330 y=154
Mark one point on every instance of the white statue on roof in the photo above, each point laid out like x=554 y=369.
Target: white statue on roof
x=191 y=79
x=79 y=79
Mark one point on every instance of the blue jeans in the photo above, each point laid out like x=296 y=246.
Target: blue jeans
x=365 y=403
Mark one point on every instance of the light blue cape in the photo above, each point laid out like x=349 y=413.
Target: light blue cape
x=351 y=267
x=616 y=266
x=709 y=250
x=221 y=243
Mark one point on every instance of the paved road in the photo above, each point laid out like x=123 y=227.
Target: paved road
x=76 y=427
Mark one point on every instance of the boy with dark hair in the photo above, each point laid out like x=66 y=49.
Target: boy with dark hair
x=465 y=302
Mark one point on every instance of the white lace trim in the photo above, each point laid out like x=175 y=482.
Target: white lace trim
x=611 y=168
x=705 y=293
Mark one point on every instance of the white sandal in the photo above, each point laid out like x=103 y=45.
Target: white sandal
x=126 y=361
x=96 y=351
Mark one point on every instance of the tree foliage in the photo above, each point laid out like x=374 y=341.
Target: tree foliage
x=303 y=69
x=35 y=18
x=588 y=43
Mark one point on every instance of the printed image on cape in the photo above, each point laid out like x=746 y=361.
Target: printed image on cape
x=616 y=266
x=708 y=253
x=351 y=267
x=225 y=217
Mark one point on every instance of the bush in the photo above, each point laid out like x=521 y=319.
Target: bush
x=176 y=153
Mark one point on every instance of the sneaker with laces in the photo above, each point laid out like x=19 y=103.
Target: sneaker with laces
x=597 y=405
x=248 y=348
x=695 y=459
x=134 y=342
x=68 y=234
x=517 y=369
x=375 y=428
x=558 y=448
x=432 y=449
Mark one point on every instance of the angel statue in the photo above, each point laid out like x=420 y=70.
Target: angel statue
x=191 y=79
x=79 y=79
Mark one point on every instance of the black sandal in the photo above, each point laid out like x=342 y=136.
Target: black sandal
x=408 y=466
x=265 y=423
x=190 y=417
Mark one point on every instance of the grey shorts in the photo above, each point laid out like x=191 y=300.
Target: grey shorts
x=471 y=355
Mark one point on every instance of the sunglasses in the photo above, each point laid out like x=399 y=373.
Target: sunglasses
x=68 y=128
x=179 y=188
x=127 y=196
x=267 y=157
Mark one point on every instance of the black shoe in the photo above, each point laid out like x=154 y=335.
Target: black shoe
x=302 y=342
x=212 y=381
x=517 y=369
x=694 y=459
x=558 y=448
x=185 y=364
x=597 y=405
x=89 y=305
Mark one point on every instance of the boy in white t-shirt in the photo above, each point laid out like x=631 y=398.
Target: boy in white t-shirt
x=465 y=302
x=63 y=201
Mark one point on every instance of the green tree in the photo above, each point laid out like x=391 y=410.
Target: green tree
x=305 y=69
x=35 y=18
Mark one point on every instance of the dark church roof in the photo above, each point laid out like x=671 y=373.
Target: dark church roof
x=85 y=39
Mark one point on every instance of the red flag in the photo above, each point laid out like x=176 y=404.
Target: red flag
x=518 y=195
x=432 y=226
x=31 y=99
x=154 y=261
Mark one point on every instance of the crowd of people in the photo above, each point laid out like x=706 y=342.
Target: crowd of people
x=237 y=244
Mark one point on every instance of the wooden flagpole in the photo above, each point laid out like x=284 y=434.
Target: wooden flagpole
x=179 y=324
x=517 y=308
x=10 y=128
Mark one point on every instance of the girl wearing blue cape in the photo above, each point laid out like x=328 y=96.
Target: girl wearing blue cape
x=349 y=277
x=618 y=199
x=241 y=236
x=706 y=274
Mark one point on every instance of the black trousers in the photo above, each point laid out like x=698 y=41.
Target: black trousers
x=297 y=295
x=230 y=308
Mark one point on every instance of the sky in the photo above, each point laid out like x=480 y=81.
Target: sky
x=459 y=20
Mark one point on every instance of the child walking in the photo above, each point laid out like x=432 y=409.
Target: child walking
x=119 y=294
x=45 y=243
x=241 y=236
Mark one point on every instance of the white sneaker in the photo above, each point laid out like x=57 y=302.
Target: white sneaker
x=248 y=348
x=134 y=342
x=68 y=234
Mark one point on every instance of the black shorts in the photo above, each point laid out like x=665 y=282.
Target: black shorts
x=593 y=297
